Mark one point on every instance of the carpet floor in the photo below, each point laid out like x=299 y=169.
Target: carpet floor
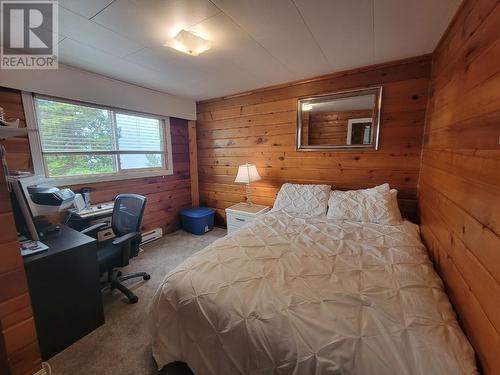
x=122 y=344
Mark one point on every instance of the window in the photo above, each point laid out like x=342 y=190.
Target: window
x=79 y=140
x=359 y=131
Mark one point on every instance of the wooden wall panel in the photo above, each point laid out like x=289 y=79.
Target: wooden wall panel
x=193 y=163
x=19 y=352
x=259 y=127
x=459 y=189
x=166 y=195
x=331 y=128
x=18 y=148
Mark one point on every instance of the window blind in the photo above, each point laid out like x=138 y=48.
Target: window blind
x=68 y=127
x=78 y=139
x=138 y=133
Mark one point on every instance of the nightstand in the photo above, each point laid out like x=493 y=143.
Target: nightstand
x=241 y=214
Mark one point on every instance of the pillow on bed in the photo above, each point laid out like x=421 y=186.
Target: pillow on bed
x=375 y=205
x=306 y=200
x=396 y=212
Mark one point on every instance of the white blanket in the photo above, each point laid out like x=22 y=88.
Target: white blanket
x=288 y=295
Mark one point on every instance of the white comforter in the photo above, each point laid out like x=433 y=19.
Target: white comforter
x=287 y=295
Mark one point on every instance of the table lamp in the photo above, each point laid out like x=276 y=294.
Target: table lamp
x=247 y=173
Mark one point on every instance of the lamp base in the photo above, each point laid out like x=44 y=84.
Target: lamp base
x=248 y=193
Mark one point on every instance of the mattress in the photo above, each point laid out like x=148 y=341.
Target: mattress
x=292 y=295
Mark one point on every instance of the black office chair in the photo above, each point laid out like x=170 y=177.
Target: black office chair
x=126 y=223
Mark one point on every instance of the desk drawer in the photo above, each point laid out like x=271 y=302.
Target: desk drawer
x=105 y=234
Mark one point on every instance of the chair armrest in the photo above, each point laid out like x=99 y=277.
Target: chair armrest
x=94 y=228
x=125 y=238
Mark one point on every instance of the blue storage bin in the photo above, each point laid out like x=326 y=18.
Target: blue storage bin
x=197 y=220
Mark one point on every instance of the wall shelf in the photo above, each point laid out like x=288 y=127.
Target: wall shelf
x=6 y=132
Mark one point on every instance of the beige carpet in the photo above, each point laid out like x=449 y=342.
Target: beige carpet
x=121 y=346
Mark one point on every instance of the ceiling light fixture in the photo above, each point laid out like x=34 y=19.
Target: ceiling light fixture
x=188 y=42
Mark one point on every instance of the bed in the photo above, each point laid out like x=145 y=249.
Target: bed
x=292 y=294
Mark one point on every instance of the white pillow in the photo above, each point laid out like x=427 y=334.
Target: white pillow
x=375 y=205
x=304 y=200
x=396 y=213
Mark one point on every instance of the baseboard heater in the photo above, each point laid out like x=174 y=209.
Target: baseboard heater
x=151 y=235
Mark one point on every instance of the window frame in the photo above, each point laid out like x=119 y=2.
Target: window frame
x=354 y=121
x=37 y=156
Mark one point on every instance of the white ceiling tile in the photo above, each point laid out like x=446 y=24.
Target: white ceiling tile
x=153 y=22
x=44 y=32
x=279 y=28
x=411 y=27
x=87 y=32
x=225 y=76
x=213 y=87
x=343 y=30
x=256 y=43
x=167 y=61
x=231 y=43
x=86 y=8
x=81 y=56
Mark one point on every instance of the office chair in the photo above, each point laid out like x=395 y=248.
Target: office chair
x=126 y=223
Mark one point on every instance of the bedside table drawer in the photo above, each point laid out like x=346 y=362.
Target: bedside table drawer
x=237 y=221
x=231 y=228
x=242 y=214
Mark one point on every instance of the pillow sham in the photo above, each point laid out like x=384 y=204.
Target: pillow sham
x=375 y=205
x=304 y=200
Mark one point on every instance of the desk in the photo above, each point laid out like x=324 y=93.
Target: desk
x=101 y=209
x=65 y=290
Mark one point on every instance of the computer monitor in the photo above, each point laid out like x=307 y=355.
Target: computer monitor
x=33 y=198
x=23 y=215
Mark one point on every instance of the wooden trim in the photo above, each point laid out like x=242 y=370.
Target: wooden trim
x=193 y=163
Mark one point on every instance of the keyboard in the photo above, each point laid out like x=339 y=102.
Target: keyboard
x=96 y=209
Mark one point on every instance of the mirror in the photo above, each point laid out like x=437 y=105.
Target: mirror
x=342 y=120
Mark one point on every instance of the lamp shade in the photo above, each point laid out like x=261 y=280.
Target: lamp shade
x=247 y=173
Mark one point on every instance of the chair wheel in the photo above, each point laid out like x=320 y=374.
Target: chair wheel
x=133 y=299
x=146 y=277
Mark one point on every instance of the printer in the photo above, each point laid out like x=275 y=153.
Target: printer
x=35 y=199
x=50 y=196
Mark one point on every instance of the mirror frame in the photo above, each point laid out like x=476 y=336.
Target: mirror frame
x=377 y=90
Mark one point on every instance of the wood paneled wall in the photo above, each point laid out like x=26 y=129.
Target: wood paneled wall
x=331 y=127
x=259 y=127
x=18 y=148
x=19 y=352
x=166 y=195
x=459 y=198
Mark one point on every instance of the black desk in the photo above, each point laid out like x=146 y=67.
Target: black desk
x=65 y=291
